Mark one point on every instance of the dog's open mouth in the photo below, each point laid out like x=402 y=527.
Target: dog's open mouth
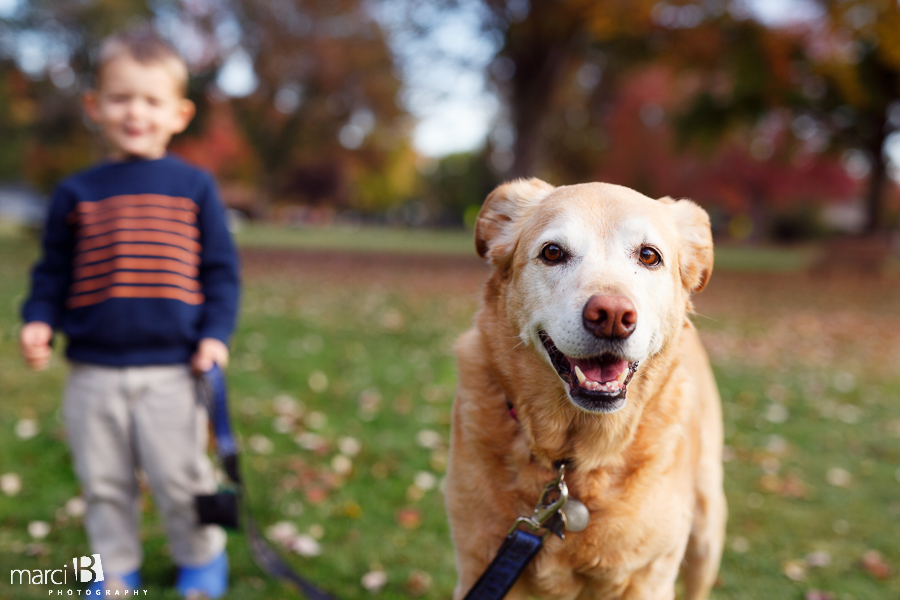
x=596 y=384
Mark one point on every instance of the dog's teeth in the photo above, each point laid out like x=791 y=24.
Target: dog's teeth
x=580 y=375
x=622 y=376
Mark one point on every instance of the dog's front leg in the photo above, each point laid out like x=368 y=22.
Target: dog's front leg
x=656 y=581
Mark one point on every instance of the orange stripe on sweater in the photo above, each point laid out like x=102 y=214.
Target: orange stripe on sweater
x=157 y=224
x=137 y=200
x=138 y=211
x=120 y=291
x=144 y=250
x=143 y=277
x=145 y=264
x=125 y=235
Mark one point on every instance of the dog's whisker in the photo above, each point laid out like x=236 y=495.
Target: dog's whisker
x=521 y=343
x=702 y=316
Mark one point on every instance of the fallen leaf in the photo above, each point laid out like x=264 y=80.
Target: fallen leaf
x=287 y=406
x=11 y=483
x=418 y=582
x=305 y=545
x=740 y=545
x=312 y=442
x=777 y=413
x=429 y=439
x=425 y=481
x=282 y=532
x=317 y=381
x=316 y=495
x=349 y=446
x=409 y=518
x=260 y=444
x=875 y=565
x=777 y=445
x=351 y=509
x=76 y=507
x=795 y=570
x=317 y=531
x=770 y=483
x=414 y=493
x=39 y=529
x=341 y=465
x=27 y=429
x=374 y=580
x=283 y=424
x=316 y=420
x=819 y=558
x=793 y=487
x=838 y=477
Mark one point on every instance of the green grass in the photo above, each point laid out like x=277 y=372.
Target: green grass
x=766 y=258
x=361 y=239
x=386 y=356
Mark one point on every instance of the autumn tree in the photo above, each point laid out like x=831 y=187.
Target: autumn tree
x=559 y=62
x=324 y=118
x=323 y=121
x=837 y=76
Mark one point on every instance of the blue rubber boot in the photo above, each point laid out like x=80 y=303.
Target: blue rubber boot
x=209 y=580
x=131 y=581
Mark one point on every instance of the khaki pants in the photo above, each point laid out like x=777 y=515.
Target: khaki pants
x=119 y=419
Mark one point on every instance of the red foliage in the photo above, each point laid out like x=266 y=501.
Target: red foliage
x=220 y=147
x=643 y=154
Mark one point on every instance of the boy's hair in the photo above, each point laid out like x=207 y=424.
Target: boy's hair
x=145 y=46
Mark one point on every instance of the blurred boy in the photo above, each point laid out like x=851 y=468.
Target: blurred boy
x=140 y=273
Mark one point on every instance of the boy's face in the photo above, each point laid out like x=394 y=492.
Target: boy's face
x=138 y=107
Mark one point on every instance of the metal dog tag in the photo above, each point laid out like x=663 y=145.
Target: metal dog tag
x=577 y=515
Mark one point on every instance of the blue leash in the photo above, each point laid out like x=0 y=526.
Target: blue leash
x=269 y=561
x=521 y=546
x=513 y=557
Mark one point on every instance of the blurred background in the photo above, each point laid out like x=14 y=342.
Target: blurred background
x=778 y=116
x=354 y=141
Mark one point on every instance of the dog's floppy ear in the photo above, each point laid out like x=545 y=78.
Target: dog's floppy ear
x=497 y=224
x=692 y=223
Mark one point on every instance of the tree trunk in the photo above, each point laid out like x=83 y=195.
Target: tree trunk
x=540 y=47
x=877 y=178
x=534 y=83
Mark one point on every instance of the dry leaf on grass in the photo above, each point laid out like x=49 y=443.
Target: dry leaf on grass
x=795 y=570
x=874 y=564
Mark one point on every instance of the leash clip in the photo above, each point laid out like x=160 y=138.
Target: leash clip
x=548 y=513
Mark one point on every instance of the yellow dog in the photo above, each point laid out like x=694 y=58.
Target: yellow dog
x=583 y=352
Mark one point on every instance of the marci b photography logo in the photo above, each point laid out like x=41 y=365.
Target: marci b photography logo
x=86 y=569
x=91 y=569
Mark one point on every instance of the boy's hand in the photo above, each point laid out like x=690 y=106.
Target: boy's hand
x=210 y=351
x=34 y=340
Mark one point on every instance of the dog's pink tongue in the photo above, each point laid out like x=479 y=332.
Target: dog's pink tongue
x=599 y=372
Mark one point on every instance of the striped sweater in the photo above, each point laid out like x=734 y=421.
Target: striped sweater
x=137 y=264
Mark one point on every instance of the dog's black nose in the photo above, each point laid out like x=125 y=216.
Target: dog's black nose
x=612 y=317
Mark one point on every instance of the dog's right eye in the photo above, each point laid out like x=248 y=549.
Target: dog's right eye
x=552 y=253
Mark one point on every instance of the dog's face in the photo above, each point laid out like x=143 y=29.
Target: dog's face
x=597 y=277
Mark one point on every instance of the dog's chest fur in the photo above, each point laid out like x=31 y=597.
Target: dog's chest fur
x=628 y=531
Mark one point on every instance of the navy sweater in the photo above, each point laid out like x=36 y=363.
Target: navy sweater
x=138 y=264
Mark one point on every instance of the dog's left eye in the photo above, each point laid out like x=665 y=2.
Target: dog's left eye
x=553 y=253
x=649 y=257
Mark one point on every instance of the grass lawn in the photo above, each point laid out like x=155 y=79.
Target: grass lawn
x=339 y=349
